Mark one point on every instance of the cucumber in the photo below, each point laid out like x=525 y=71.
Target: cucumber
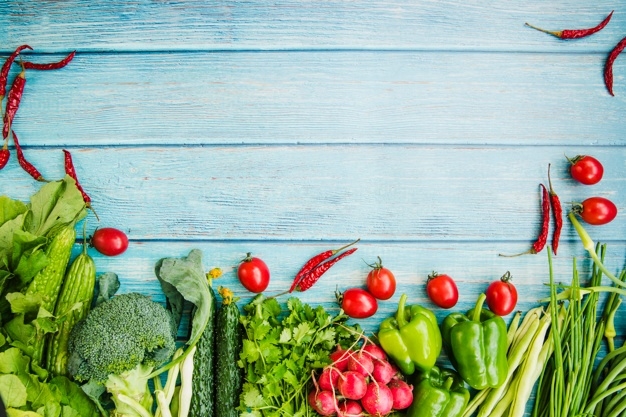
x=203 y=386
x=78 y=287
x=228 y=343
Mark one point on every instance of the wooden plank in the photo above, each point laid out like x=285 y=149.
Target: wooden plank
x=325 y=97
x=291 y=24
x=340 y=192
x=472 y=266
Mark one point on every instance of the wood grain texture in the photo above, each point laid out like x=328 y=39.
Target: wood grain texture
x=380 y=192
x=146 y=25
x=324 y=97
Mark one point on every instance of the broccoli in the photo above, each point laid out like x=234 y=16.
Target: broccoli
x=118 y=345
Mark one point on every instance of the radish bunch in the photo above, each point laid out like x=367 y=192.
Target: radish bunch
x=359 y=382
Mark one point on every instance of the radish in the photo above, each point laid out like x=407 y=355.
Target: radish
x=323 y=402
x=383 y=372
x=340 y=358
x=362 y=363
x=350 y=408
x=378 y=399
x=328 y=378
x=375 y=351
x=352 y=385
x=402 y=394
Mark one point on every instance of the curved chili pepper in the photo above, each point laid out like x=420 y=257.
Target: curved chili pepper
x=608 y=68
x=314 y=261
x=13 y=102
x=4 y=72
x=51 y=65
x=557 y=212
x=575 y=33
x=542 y=239
x=71 y=171
x=315 y=274
x=27 y=166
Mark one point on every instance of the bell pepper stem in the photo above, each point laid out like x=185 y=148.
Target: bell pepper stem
x=479 y=307
x=400 y=316
x=590 y=247
x=447 y=384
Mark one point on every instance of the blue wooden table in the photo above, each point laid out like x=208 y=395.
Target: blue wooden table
x=283 y=128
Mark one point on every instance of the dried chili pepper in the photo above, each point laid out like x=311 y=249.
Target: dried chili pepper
x=557 y=213
x=608 y=68
x=315 y=274
x=575 y=33
x=542 y=239
x=13 y=102
x=27 y=166
x=4 y=72
x=5 y=154
x=71 y=171
x=51 y=65
x=314 y=261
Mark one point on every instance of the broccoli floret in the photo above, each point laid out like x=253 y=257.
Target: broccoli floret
x=118 y=345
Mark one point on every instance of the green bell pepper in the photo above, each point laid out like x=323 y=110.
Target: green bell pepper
x=438 y=393
x=477 y=346
x=411 y=338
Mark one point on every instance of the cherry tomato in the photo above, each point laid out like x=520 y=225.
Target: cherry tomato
x=358 y=303
x=586 y=169
x=381 y=282
x=109 y=241
x=442 y=290
x=253 y=274
x=597 y=210
x=501 y=295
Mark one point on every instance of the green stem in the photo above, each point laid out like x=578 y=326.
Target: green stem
x=400 y=316
x=479 y=307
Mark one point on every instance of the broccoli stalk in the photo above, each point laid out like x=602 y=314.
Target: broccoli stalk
x=118 y=345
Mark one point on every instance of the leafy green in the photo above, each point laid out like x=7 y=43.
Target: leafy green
x=279 y=354
x=108 y=284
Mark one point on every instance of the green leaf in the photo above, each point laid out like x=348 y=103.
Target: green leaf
x=73 y=397
x=285 y=336
x=252 y=396
x=13 y=412
x=10 y=209
x=21 y=303
x=249 y=351
x=12 y=361
x=108 y=284
x=301 y=332
x=12 y=391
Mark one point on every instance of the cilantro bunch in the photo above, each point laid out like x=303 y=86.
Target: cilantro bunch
x=280 y=352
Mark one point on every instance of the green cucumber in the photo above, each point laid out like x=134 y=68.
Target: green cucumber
x=228 y=343
x=203 y=385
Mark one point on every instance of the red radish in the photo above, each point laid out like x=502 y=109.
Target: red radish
x=375 y=351
x=362 y=363
x=350 y=408
x=352 y=385
x=383 y=372
x=340 y=358
x=323 y=402
x=377 y=400
x=402 y=394
x=328 y=378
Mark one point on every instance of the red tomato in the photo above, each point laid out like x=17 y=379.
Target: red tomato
x=597 y=210
x=381 y=282
x=253 y=274
x=442 y=290
x=109 y=241
x=586 y=169
x=358 y=303
x=501 y=295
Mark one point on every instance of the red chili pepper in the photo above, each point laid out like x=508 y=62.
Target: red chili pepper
x=71 y=171
x=557 y=212
x=4 y=72
x=314 y=261
x=542 y=239
x=314 y=274
x=575 y=33
x=51 y=65
x=5 y=154
x=608 y=68
x=13 y=102
x=27 y=166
